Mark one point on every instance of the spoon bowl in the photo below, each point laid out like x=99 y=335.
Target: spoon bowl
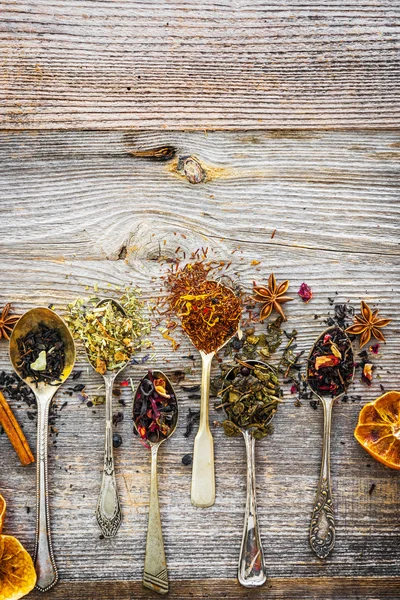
x=30 y=320
x=45 y=565
x=155 y=576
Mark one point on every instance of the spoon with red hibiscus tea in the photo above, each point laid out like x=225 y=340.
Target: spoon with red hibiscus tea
x=330 y=371
x=210 y=315
x=155 y=416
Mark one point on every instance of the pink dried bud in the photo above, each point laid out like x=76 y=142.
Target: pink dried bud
x=305 y=292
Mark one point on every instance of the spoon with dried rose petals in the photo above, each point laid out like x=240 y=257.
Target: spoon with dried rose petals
x=330 y=371
x=155 y=416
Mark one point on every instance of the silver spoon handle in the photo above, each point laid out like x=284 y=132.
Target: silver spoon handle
x=108 y=511
x=322 y=527
x=251 y=572
x=45 y=564
x=155 y=576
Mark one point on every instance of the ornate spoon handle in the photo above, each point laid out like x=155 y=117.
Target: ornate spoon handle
x=108 y=511
x=251 y=572
x=45 y=565
x=203 y=473
x=322 y=527
x=155 y=576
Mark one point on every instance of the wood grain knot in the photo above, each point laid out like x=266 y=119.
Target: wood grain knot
x=191 y=168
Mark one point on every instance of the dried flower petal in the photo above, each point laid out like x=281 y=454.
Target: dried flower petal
x=328 y=360
x=367 y=373
x=305 y=292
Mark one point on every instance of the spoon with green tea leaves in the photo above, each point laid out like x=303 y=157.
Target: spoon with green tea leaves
x=210 y=315
x=42 y=352
x=111 y=332
x=155 y=416
x=250 y=396
x=330 y=371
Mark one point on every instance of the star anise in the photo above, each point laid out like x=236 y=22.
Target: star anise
x=7 y=322
x=272 y=297
x=368 y=324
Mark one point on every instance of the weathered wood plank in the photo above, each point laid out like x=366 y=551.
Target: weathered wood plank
x=335 y=191
x=277 y=589
x=226 y=65
x=70 y=203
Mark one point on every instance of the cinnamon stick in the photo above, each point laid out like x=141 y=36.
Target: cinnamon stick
x=14 y=432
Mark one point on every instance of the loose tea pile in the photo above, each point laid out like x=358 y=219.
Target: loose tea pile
x=16 y=389
x=209 y=311
x=155 y=409
x=250 y=398
x=109 y=336
x=331 y=363
x=41 y=355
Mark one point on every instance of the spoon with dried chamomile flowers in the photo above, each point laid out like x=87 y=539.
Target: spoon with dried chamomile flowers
x=250 y=396
x=155 y=416
x=111 y=332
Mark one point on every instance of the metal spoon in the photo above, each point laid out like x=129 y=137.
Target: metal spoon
x=251 y=569
x=155 y=576
x=108 y=509
x=203 y=470
x=322 y=526
x=45 y=565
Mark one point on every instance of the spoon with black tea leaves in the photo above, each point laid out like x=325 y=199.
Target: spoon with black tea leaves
x=155 y=396
x=330 y=370
x=108 y=509
x=44 y=391
x=251 y=568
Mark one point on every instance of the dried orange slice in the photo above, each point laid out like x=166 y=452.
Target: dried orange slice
x=2 y=512
x=378 y=429
x=17 y=573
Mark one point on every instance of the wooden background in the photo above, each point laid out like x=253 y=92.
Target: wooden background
x=290 y=109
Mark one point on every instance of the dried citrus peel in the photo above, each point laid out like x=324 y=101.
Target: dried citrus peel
x=378 y=429
x=2 y=512
x=17 y=572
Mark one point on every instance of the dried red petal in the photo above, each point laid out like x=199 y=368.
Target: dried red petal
x=328 y=360
x=305 y=292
